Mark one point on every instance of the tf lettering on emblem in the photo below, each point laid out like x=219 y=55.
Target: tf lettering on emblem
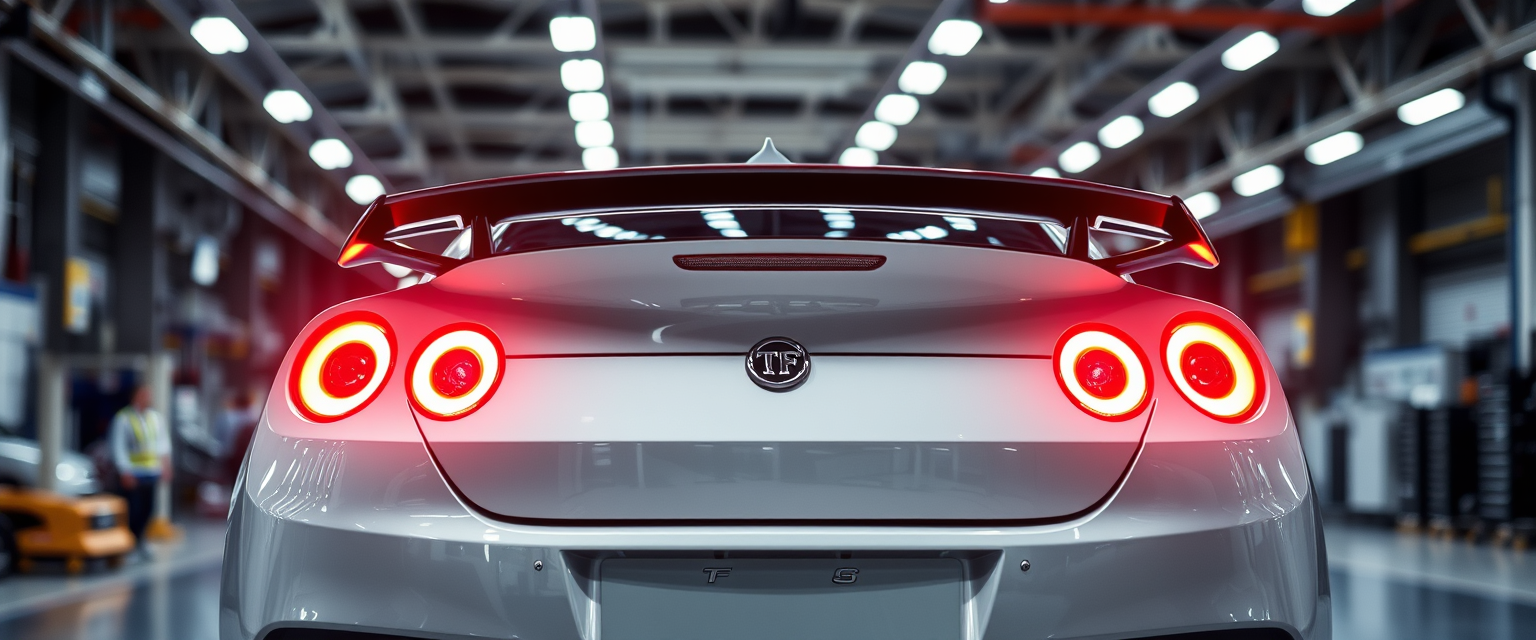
x=717 y=572
x=778 y=364
x=845 y=575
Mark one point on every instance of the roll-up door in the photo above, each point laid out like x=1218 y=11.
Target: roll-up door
x=1466 y=304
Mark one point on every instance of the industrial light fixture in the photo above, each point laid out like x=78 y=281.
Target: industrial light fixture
x=921 y=77
x=1121 y=131
x=581 y=75
x=572 y=33
x=954 y=37
x=1335 y=147
x=218 y=35
x=1530 y=60
x=330 y=153
x=1203 y=204
x=858 y=157
x=1078 y=157
x=595 y=133
x=1249 y=51
x=286 y=105
x=205 y=261
x=600 y=158
x=875 y=135
x=1258 y=180
x=588 y=106
x=897 y=109
x=1172 y=99
x=1046 y=172
x=1324 y=8
x=363 y=188
x=1431 y=106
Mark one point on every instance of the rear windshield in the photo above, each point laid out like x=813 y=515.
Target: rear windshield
x=715 y=224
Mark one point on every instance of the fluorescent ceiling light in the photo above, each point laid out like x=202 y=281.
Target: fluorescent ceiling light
x=330 y=153
x=1431 y=106
x=1258 y=180
x=364 y=188
x=1078 y=157
x=1046 y=172
x=1121 y=131
x=600 y=158
x=1250 y=51
x=596 y=133
x=286 y=105
x=922 y=78
x=218 y=35
x=954 y=37
x=581 y=75
x=1172 y=99
x=572 y=33
x=1324 y=8
x=1334 y=147
x=875 y=135
x=897 y=109
x=858 y=157
x=588 y=106
x=1203 y=204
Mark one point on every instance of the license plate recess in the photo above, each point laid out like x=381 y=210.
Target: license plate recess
x=781 y=599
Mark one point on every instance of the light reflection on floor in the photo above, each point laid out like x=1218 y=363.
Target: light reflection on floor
x=183 y=607
x=1368 y=607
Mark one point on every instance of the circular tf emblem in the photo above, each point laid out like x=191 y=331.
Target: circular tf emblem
x=778 y=364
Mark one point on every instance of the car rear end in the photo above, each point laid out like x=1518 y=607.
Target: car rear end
x=571 y=442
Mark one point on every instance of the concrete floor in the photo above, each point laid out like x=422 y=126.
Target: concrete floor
x=1386 y=586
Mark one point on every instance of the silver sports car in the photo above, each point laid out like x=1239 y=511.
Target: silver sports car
x=760 y=402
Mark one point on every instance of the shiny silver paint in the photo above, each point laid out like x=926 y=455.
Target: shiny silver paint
x=1195 y=524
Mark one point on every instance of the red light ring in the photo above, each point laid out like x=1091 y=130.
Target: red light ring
x=1245 y=365
x=478 y=339
x=305 y=393
x=1118 y=344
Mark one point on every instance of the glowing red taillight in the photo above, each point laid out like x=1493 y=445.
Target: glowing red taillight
x=1216 y=371
x=341 y=367
x=455 y=371
x=1101 y=372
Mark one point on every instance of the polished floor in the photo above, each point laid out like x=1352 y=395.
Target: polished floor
x=1386 y=586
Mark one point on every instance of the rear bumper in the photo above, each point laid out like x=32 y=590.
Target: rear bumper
x=368 y=537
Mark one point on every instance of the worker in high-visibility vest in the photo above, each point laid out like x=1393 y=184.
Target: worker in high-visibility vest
x=141 y=449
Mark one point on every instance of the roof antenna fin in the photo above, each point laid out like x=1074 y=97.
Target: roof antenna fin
x=769 y=155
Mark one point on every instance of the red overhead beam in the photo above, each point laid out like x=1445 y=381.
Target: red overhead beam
x=1213 y=18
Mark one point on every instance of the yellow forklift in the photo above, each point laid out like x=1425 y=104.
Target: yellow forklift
x=42 y=525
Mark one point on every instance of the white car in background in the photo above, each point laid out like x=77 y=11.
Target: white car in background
x=776 y=401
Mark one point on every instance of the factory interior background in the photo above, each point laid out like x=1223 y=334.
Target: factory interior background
x=177 y=177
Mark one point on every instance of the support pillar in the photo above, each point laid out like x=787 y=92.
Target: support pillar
x=161 y=367
x=61 y=119
x=1522 y=222
x=52 y=407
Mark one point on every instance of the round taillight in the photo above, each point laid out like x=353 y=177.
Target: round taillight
x=341 y=367
x=1216 y=372
x=1101 y=372
x=455 y=371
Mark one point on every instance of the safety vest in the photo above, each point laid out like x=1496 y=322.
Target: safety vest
x=141 y=449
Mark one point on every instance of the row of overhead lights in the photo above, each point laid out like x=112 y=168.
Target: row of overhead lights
x=953 y=37
x=583 y=77
x=1242 y=56
x=218 y=35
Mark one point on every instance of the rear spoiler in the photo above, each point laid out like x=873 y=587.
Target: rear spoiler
x=1079 y=207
